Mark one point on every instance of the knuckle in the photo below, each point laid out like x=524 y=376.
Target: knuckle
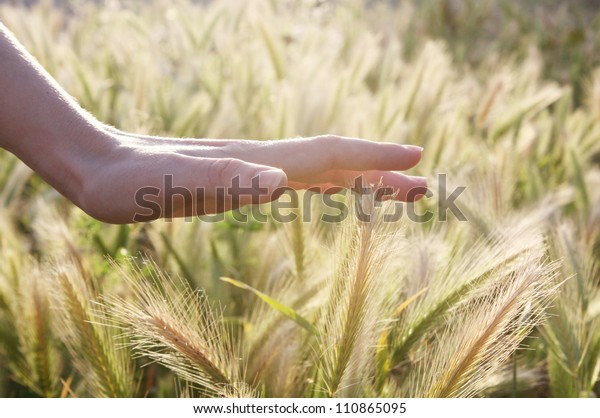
x=222 y=171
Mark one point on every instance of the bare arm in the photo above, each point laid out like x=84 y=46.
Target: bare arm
x=42 y=124
x=102 y=169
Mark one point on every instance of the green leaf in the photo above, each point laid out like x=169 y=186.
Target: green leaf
x=185 y=271
x=285 y=310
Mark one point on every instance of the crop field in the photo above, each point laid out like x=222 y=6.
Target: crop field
x=488 y=287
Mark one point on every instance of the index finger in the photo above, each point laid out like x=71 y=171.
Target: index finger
x=303 y=156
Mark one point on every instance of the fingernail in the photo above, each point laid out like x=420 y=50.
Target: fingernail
x=414 y=148
x=272 y=179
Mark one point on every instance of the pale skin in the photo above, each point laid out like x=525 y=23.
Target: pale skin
x=100 y=168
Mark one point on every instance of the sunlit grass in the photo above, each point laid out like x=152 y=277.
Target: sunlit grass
x=505 y=304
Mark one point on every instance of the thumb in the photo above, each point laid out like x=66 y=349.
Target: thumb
x=240 y=182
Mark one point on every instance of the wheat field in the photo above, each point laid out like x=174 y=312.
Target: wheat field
x=503 y=301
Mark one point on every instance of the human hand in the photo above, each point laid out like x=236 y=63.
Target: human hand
x=325 y=163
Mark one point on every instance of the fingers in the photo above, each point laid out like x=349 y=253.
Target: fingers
x=304 y=157
x=307 y=160
x=361 y=155
x=396 y=185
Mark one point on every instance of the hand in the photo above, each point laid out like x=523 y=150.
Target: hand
x=139 y=163
x=121 y=178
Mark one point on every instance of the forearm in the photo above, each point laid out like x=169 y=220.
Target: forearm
x=41 y=123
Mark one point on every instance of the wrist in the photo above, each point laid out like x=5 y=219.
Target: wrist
x=69 y=158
